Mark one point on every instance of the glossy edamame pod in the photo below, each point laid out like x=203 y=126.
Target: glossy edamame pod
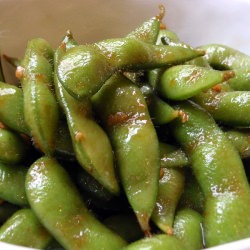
x=12 y=187
x=160 y=111
x=156 y=242
x=184 y=81
x=241 y=81
x=90 y=142
x=123 y=112
x=220 y=173
x=84 y=68
x=65 y=217
x=227 y=107
x=241 y=140
x=172 y=156
x=126 y=225
x=11 y=108
x=13 y=148
x=41 y=111
x=188 y=228
x=24 y=229
x=224 y=57
x=171 y=185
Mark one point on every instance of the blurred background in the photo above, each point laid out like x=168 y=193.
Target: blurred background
x=197 y=22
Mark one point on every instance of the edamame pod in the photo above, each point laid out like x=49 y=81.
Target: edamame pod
x=11 y=108
x=13 y=148
x=172 y=156
x=123 y=111
x=184 y=81
x=160 y=111
x=66 y=217
x=227 y=194
x=85 y=68
x=24 y=229
x=91 y=144
x=156 y=242
x=12 y=187
x=230 y=108
x=241 y=81
x=36 y=75
x=224 y=57
x=188 y=228
x=171 y=185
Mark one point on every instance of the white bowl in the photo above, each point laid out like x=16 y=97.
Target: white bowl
x=197 y=22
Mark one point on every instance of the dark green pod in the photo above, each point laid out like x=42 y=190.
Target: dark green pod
x=85 y=68
x=188 y=228
x=12 y=187
x=57 y=203
x=224 y=57
x=11 y=108
x=227 y=194
x=90 y=142
x=229 y=108
x=184 y=81
x=156 y=242
x=171 y=185
x=13 y=147
x=123 y=111
x=24 y=229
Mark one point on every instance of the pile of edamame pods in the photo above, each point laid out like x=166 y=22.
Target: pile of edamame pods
x=139 y=142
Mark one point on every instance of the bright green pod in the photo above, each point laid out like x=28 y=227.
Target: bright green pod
x=241 y=140
x=24 y=229
x=90 y=142
x=84 y=68
x=188 y=228
x=171 y=186
x=224 y=57
x=184 y=81
x=58 y=205
x=11 y=108
x=241 y=81
x=156 y=242
x=229 y=108
x=13 y=147
x=172 y=156
x=41 y=110
x=160 y=111
x=12 y=185
x=227 y=193
x=126 y=225
x=123 y=111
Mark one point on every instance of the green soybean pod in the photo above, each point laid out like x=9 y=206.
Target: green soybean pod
x=156 y=242
x=160 y=111
x=184 y=81
x=84 y=68
x=90 y=142
x=188 y=228
x=13 y=147
x=12 y=185
x=24 y=229
x=11 y=108
x=227 y=193
x=241 y=140
x=224 y=57
x=36 y=76
x=171 y=185
x=172 y=156
x=228 y=107
x=123 y=112
x=58 y=205
x=241 y=81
